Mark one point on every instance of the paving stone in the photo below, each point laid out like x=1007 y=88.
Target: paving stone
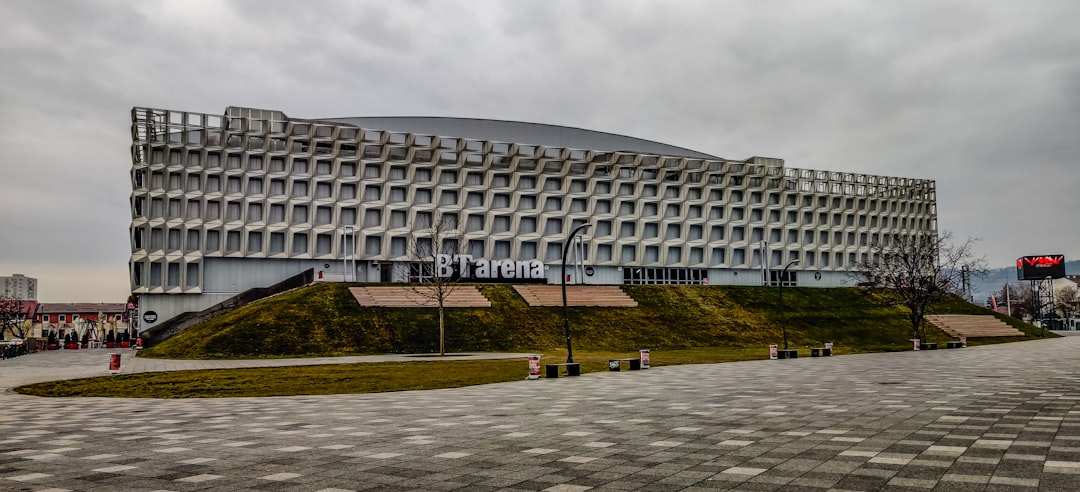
x=757 y=425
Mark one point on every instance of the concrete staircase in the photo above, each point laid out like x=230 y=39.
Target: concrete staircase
x=972 y=326
x=467 y=296
x=576 y=295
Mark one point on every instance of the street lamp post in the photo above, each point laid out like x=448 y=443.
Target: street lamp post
x=566 y=318
x=783 y=275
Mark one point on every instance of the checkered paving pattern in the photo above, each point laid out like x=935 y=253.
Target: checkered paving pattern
x=1001 y=417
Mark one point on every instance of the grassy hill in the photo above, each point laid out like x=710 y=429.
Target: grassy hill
x=324 y=319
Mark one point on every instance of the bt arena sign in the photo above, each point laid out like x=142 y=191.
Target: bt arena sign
x=464 y=266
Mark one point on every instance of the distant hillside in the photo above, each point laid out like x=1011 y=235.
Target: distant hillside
x=324 y=319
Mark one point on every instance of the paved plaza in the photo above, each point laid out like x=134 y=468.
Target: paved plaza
x=1002 y=417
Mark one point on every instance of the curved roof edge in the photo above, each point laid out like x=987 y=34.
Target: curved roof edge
x=518 y=132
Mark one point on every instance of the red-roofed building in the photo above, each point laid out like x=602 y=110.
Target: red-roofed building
x=78 y=317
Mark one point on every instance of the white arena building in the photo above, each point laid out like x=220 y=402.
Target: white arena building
x=225 y=203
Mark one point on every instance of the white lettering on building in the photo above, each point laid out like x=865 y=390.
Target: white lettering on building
x=480 y=268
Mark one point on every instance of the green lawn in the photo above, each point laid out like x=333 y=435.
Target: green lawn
x=680 y=324
x=354 y=378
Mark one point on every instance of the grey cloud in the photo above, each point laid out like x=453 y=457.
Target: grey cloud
x=979 y=96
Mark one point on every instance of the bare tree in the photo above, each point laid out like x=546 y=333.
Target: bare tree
x=1068 y=301
x=920 y=271
x=436 y=235
x=13 y=315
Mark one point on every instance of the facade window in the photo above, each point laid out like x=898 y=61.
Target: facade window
x=554 y=252
x=232 y=241
x=502 y=250
x=603 y=253
x=323 y=244
x=277 y=213
x=628 y=254
x=528 y=250
x=174 y=239
x=348 y=216
x=398 y=218
x=300 y=188
x=476 y=248
x=696 y=232
x=300 y=243
x=603 y=228
x=299 y=214
x=192 y=243
x=213 y=210
x=254 y=242
x=527 y=225
x=213 y=241
x=174 y=275
x=191 y=275
x=553 y=226
x=398 y=246
x=323 y=215
x=277 y=242
x=373 y=245
x=674 y=231
x=474 y=223
x=255 y=212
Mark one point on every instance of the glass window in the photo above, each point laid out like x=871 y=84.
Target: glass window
x=300 y=243
x=553 y=226
x=528 y=250
x=232 y=241
x=277 y=242
x=527 y=225
x=213 y=240
x=300 y=214
x=323 y=244
x=254 y=242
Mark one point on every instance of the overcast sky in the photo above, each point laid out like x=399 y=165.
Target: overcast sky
x=981 y=96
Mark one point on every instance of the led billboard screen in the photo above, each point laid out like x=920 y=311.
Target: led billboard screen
x=1040 y=267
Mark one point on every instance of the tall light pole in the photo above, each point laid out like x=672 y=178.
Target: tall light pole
x=783 y=276
x=566 y=318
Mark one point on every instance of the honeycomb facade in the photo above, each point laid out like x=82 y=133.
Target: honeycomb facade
x=221 y=203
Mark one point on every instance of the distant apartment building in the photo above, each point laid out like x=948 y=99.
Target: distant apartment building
x=18 y=286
